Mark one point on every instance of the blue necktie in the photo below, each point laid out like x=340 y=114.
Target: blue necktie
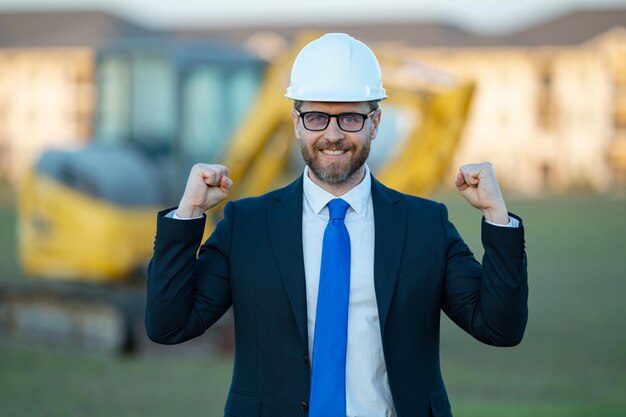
x=328 y=385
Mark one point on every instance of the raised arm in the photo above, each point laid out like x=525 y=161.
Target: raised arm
x=489 y=302
x=186 y=296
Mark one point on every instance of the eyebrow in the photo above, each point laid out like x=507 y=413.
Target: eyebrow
x=368 y=111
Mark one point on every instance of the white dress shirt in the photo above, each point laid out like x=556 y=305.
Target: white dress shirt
x=367 y=386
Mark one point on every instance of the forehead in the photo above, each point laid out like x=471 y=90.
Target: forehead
x=334 y=108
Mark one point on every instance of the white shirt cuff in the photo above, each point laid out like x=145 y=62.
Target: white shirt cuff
x=513 y=222
x=172 y=215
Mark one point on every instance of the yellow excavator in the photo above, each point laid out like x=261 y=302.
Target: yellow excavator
x=87 y=217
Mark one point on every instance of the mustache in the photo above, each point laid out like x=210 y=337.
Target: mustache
x=334 y=146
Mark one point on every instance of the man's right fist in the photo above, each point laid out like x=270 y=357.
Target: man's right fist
x=207 y=186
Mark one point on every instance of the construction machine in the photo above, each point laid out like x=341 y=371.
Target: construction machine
x=87 y=217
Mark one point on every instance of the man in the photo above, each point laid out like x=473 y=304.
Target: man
x=336 y=300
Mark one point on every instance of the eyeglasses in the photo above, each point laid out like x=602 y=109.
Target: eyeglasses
x=348 y=122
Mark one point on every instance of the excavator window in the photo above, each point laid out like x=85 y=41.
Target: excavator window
x=153 y=104
x=215 y=99
x=137 y=102
x=112 y=122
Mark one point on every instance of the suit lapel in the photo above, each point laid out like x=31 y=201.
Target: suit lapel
x=285 y=222
x=389 y=223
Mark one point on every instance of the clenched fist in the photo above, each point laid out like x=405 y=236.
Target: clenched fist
x=207 y=186
x=477 y=183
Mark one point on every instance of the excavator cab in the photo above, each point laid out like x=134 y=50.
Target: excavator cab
x=161 y=105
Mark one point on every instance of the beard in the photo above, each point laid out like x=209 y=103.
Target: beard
x=335 y=173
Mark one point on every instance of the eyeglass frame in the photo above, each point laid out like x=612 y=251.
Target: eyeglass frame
x=336 y=116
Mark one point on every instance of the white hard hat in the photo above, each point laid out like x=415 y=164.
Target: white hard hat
x=336 y=68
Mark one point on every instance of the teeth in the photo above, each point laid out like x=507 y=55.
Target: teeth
x=328 y=152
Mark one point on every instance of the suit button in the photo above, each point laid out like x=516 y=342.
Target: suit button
x=304 y=406
x=306 y=358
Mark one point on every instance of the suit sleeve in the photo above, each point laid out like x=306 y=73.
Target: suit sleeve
x=187 y=294
x=490 y=301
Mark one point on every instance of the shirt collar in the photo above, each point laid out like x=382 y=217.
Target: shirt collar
x=357 y=197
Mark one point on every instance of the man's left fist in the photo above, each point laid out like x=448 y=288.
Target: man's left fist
x=478 y=184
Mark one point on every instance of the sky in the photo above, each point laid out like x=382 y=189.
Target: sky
x=486 y=16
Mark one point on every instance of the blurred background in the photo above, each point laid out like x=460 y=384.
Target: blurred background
x=105 y=106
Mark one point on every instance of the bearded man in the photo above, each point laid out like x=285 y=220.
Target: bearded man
x=336 y=281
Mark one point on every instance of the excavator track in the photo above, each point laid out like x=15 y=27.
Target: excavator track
x=105 y=319
x=92 y=317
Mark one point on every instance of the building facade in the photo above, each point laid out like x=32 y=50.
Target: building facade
x=550 y=118
x=46 y=100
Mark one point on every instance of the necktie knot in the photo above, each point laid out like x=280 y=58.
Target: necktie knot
x=337 y=208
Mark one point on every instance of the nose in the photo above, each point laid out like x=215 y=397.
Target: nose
x=333 y=132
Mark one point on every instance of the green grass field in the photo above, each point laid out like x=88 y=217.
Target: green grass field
x=571 y=363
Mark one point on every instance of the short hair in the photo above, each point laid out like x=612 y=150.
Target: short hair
x=373 y=104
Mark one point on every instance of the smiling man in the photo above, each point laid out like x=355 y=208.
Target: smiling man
x=336 y=281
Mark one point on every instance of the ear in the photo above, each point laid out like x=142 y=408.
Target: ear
x=375 y=124
x=295 y=118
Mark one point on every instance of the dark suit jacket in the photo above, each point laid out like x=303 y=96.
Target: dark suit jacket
x=254 y=262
